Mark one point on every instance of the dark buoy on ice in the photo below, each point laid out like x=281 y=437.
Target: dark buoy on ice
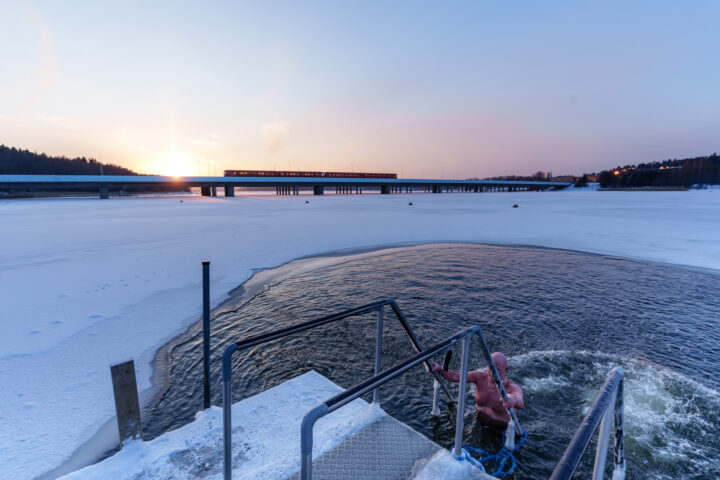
x=307 y=201
x=515 y=206
x=410 y=203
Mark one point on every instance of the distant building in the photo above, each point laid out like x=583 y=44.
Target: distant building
x=540 y=175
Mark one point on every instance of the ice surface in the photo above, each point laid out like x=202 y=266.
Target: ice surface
x=86 y=283
x=266 y=437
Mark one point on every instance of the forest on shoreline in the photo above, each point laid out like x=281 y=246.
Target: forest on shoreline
x=684 y=173
x=14 y=161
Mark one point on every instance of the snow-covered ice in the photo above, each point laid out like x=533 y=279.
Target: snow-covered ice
x=87 y=283
x=266 y=437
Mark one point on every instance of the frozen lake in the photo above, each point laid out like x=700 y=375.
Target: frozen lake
x=87 y=283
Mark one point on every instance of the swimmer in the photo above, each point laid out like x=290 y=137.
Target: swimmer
x=492 y=411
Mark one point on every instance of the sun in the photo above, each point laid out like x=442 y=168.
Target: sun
x=174 y=164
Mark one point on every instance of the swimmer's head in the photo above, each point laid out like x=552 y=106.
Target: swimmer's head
x=501 y=363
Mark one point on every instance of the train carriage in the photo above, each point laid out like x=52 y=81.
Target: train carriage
x=288 y=173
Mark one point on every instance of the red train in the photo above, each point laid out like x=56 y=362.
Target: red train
x=284 y=173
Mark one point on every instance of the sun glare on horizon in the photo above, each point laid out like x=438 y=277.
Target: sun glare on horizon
x=174 y=164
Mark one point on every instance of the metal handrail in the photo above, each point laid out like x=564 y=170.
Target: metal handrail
x=601 y=413
x=284 y=332
x=372 y=384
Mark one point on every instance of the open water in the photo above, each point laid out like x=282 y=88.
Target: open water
x=564 y=319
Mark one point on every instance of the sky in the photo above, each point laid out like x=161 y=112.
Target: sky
x=423 y=89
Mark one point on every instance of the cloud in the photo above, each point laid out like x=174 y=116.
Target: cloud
x=275 y=135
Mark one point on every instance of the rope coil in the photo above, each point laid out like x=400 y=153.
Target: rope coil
x=502 y=456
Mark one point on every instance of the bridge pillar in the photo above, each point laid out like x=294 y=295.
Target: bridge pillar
x=318 y=190
x=229 y=191
x=384 y=189
x=213 y=189
x=104 y=192
x=205 y=191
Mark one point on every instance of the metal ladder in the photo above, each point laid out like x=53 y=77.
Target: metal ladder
x=368 y=385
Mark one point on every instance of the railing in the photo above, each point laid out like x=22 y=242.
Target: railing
x=372 y=384
x=275 y=335
x=608 y=405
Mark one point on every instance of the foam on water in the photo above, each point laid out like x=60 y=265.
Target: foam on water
x=671 y=421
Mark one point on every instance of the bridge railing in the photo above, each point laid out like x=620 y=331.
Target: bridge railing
x=608 y=405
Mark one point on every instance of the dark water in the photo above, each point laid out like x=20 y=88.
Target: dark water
x=564 y=319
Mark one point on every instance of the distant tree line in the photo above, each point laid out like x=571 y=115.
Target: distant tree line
x=668 y=173
x=14 y=161
x=537 y=176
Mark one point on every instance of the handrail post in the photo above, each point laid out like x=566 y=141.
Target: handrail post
x=602 y=444
x=227 y=410
x=597 y=416
x=306 y=439
x=378 y=352
x=620 y=428
x=461 y=396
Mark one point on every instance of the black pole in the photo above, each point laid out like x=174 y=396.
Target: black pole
x=206 y=333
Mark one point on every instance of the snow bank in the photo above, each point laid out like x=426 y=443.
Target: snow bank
x=87 y=283
x=266 y=437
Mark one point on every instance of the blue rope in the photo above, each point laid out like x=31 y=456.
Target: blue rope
x=502 y=456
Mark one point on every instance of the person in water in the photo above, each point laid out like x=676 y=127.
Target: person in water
x=491 y=410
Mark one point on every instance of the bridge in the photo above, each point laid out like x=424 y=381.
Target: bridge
x=283 y=185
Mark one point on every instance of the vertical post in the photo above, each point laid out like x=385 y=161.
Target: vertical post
x=227 y=410
x=378 y=352
x=306 y=439
x=602 y=443
x=127 y=406
x=227 y=435
x=104 y=192
x=619 y=429
x=206 y=333
x=459 y=424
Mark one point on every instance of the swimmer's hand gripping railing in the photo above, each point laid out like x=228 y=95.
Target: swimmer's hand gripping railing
x=277 y=334
x=608 y=405
x=371 y=385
